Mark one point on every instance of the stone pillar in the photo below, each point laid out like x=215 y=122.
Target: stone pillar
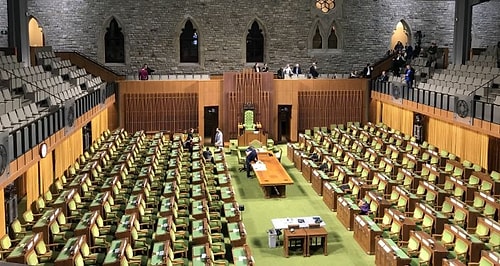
x=462 y=33
x=17 y=11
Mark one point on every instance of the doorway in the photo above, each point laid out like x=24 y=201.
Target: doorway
x=211 y=123
x=401 y=33
x=35 y=33
x=284 y=123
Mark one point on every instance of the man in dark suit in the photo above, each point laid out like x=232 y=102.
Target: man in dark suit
x=367 y=71
x=296 y=70
x=313 y=70
x=251 y=157
x=383 y=77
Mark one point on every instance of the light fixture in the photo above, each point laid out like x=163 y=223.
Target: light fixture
x=43 y=150
x=325 y=5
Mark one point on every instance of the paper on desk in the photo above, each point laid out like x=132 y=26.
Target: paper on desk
x=259 y=166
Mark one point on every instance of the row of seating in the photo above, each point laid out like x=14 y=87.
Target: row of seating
x=79 y=76
x=174 y=77
x=455 y=88
x=134 y=200
x=45 y=58
x=20 y=116
x=19 y=76
x=62 y=67
x=9 y=103
x=40 y=90
x=410 y=189
x=470 y=71
x=94 y=84
x=9 y=62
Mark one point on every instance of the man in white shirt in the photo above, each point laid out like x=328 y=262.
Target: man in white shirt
x=219 y=139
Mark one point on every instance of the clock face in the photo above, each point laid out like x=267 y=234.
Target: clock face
x=43 y=150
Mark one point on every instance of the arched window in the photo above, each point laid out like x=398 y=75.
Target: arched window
x=317 y=40
x=255 y=44
x=332 y=39
x=189 y=43
x=114 y=43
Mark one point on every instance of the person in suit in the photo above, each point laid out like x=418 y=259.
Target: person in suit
x=409 y=76
x=265 y=68
x=251 y=153
x=189 y=143
x=256 y=67
x=296 y=70
x=367 y=71
x=313 y=70
x=383 y=77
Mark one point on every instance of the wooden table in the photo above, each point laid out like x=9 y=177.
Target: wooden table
x=313 y=234
x=295 y=235
x=272 y=178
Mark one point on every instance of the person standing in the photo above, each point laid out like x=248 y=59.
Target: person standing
x=256 y=68
x=219 y=139
x=265 y=68
x=251 y=153
x=143 y=73
x=409 y=76
x=189 y=143
x=296 y=70
x=287 y=71
x=313 y=70
x=498 y=54
x=432 y=53
x=367 y=71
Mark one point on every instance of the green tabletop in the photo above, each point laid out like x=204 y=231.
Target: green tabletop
x=45 y=218
x=221 y=167
x=395 y=247
x=86 y=220
x=163 y=228
x=68 y=248
x=109 y=183
x=196 y=165
x=198 y=228
x=240 y=256
x=64 y=196
x=18 y=251
x=133 y=202
x=159 y=255
x=166 y=205
x=200 y=255
x=196 y=191
x=223 y=179
x=226 y=192
x=373 y=225
x=78 y=180
x=234 y=231
x=114 y=252
x=229 y=210
x=196 y=177
x=168 y=189
x=124 y=224
x=139 y=186
x=99 y=199
x=198 y=207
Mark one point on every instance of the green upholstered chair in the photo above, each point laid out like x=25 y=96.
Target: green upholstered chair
x=248 y=119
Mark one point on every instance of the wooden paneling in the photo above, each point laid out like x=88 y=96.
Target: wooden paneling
x=398 y=118
x=68 y=151
x=468 y=142
x=32 y=185
x=46 y=173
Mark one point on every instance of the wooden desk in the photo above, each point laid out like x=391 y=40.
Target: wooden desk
x=83 y=228
x=439 y=252
x=237 y=234
x=123 y=231
x=64 y=198
x=308 y=166
x=232 y=212
x=140 y=186
x=110 y=184
x=242 y=256
x=78 y=181
x=23 y=249
x=43 y=224
x=199 y=231
x=438 y=219
x=313 y=234
x=199 y=209
x=166 y=206
x=116 y=253
x=163 y=228
x=70 y=250
x=98 y=203
x=366 y=232
x=273 y=179
x=227 y=194
x=347 y=209
x=388 y=253
x=331 y=192
x=133 y=204
x=201 y=255
x=290 y=238
x=474 y=244
x=318 y=179
x=159 y=257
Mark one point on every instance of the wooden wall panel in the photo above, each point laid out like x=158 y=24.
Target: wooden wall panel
x=99 y=124
x=397 y=118
x=467 y=144
x=46 y=173
x=68 y=151
x=32 y=186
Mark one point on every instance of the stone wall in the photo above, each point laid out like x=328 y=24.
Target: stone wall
x=4 y=42
x=152 y=28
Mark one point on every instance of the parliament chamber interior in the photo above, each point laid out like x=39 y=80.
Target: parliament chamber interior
x=99 y=168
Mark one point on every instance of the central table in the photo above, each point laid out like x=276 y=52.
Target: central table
x=271 y=175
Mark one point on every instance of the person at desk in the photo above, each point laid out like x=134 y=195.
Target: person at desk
x=364 y=207
x=189 y=143
x=207 y=154
x=251 y=153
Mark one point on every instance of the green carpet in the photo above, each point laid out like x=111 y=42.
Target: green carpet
x=301 y=200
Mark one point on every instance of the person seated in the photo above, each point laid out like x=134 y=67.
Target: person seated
x=383 y=77
x=354 y=74
x=364 y=207
x=207 y=154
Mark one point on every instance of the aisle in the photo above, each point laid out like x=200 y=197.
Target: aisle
x=301 y=200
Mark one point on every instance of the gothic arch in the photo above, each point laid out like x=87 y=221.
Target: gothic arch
x=201 y=43
x=36 y=36
x=401 y=32
x=325 y=29
x=260 y=23
x=101 y=43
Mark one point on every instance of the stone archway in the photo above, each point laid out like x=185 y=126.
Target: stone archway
x=402 y=33
x=36 y=37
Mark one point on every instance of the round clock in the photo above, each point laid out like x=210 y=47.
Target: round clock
x=43 y=150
